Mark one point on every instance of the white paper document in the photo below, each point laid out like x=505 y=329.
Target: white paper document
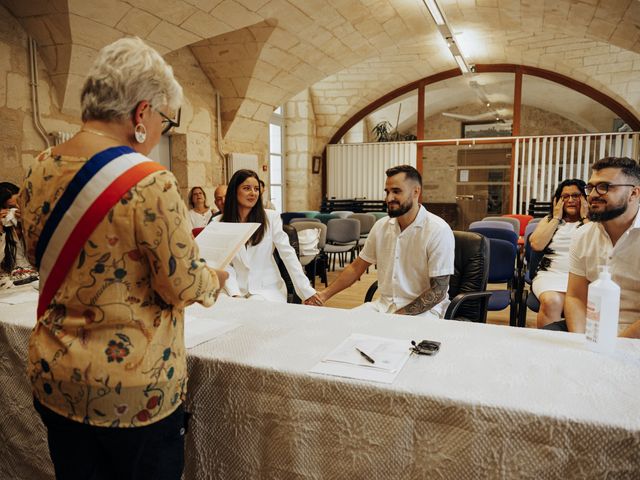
x=366 y=358
x=220 y=241
x=200 y=329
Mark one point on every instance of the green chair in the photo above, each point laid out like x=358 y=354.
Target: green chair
x=310 y=213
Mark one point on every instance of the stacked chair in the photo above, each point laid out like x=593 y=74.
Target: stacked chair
x=539 y=209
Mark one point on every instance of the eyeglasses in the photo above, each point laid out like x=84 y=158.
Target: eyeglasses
x=603 y=187
x=567 y=196
x=169 y=123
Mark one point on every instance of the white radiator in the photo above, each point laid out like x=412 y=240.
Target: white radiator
x=238 y=161
x=357 y=170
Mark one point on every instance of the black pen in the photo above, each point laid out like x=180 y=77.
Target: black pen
x=367 y=357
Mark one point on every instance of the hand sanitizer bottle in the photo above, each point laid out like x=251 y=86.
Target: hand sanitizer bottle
x=603 y=309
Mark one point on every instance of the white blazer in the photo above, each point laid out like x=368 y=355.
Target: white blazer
x=253 y=271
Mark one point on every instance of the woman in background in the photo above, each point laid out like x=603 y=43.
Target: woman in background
x=14 y=266
x=200 y=213
x=107 y=360
x=253 y=273
x=553 y=237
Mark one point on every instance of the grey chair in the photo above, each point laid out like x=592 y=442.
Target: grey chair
x=491 y=224
x=367 y=221
x=513 y=221
x=342 y=213
x=342 y=238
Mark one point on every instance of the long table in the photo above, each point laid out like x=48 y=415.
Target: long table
x=496 y=402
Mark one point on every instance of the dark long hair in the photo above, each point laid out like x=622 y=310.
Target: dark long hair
x=567 y=183
x=7 y=190
x=257 y=213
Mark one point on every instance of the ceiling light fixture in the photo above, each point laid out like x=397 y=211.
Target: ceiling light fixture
x=435 y=12
x=464 y=68
x=447 y=34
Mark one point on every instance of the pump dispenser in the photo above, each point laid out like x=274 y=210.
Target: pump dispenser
x=603 y=309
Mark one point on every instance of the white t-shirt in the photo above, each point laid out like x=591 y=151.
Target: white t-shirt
x=592 y=248
x=408 y=260
x=199 y=220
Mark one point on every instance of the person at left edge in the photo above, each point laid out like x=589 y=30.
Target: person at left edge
x=107 y=360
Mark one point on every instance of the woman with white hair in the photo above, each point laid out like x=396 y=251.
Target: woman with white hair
x=111 y=238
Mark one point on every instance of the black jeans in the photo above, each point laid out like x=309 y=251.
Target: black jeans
x=80 y=451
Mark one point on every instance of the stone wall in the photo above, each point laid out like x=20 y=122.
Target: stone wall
x=19 y=140
x=303 y=187
x=195 y=156
x=439 y=163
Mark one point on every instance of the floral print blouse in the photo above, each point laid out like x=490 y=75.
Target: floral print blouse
x=109 y=350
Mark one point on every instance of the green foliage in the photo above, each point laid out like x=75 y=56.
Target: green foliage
x=384 y=132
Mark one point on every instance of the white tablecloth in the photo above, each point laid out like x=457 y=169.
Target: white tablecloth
x=496 y=402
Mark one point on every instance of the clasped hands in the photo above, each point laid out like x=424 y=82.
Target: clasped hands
x=315 y=300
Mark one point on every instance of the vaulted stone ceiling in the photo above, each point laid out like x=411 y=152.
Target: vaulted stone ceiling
x=259 y=53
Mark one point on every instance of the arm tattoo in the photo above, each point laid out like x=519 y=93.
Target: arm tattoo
x=428 y=299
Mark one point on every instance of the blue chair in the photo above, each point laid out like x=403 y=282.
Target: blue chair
x=287 y=216
x=498 y=233
x=528 y=299
x=502 y=234
x=491 y=224
x=502 y=259
x=503 y=245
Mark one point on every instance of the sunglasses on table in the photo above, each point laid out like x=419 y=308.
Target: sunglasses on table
x=603 y=187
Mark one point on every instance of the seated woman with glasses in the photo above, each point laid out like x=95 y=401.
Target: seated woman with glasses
x=553 y=237
x=200 y=213
x=14 y=266
x=253 y=272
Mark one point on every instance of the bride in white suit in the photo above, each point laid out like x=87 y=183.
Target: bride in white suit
x=253 y=272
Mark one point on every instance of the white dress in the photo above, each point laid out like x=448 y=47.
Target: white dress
x=553 y=273
x=199 y=220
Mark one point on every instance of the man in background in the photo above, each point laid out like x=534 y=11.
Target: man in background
x=413 y=249
x=219 y=196
x=611 y=238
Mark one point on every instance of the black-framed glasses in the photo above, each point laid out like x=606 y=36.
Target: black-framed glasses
x=603 y=187
x=425 y=347
x=567 y=196
x=167 y=122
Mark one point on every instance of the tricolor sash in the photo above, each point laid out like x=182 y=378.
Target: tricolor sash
x=93 y=191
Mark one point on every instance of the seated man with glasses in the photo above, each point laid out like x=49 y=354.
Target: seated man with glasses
x=611 y=238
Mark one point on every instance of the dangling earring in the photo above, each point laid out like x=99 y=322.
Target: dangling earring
x=140 y=133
